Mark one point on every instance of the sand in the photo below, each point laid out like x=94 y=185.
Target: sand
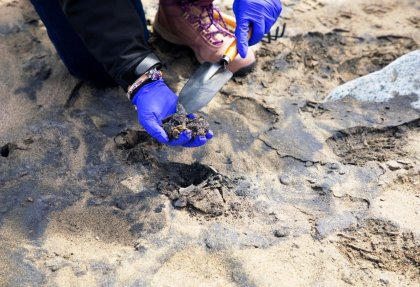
x=291 y=191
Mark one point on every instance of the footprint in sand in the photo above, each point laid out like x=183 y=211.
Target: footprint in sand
x=377 y=9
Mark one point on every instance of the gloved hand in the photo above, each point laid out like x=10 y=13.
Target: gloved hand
x=261 y=14
x=155 y=102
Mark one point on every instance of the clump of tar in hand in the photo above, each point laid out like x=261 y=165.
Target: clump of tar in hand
x=179 y=122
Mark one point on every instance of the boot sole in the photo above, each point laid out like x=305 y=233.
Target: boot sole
x=242 y=72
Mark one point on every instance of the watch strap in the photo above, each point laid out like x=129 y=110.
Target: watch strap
x=148 y=62
x=132 y=74
x=152 y=74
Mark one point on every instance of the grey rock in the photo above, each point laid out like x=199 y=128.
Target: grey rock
x=348 y=280
x=56 y=263
x=254 y=240
x=294 y=245
x=281 y=232
x=398 y=79
x=187 y=190
x=334 y=166
x=393 y=165
x=181 y=202
x=285 y=179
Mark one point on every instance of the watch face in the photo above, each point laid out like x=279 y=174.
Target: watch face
x=155 y=74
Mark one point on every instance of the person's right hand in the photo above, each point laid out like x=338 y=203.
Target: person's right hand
x=155 y=102
x=258 y=14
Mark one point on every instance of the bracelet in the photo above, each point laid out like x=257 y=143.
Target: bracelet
x=153 y=74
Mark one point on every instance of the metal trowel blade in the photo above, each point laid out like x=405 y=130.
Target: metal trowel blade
x=203 y=85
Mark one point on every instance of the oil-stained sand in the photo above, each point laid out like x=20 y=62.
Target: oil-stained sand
x=291 y=191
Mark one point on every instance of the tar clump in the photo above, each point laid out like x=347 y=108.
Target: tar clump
x=180 y=122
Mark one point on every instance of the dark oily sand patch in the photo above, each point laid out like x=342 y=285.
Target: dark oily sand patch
x=138 y=147
x=37 y=70
x=128 y=139
x=180 y=122
x=201 y=189
x=22 y=46
x=382 y=245
x=326 y=53
x=16 y=269
x=359 y=145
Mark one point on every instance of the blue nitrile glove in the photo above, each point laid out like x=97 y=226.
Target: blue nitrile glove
x=155 y=102
x=260 y=14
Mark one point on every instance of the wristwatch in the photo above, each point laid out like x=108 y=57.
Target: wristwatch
x=139 y=69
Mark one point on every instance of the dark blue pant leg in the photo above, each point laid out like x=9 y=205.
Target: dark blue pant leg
x=78 y=60
x=139 y=8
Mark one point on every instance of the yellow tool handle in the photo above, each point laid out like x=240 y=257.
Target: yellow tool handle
x=232 y=50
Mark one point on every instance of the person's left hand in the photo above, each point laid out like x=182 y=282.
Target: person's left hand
x=260 y=14
x=155 y=102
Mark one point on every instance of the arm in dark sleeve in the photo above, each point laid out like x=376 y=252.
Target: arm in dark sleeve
x=114 y=33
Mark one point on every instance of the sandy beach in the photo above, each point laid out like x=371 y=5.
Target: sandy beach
x=295 y=189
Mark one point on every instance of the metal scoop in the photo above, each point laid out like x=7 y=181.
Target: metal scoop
x=209 y=78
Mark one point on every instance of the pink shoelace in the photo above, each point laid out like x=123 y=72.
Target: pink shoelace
x=206 y=21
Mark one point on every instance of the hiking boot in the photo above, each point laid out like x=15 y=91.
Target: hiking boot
x=193 y=24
